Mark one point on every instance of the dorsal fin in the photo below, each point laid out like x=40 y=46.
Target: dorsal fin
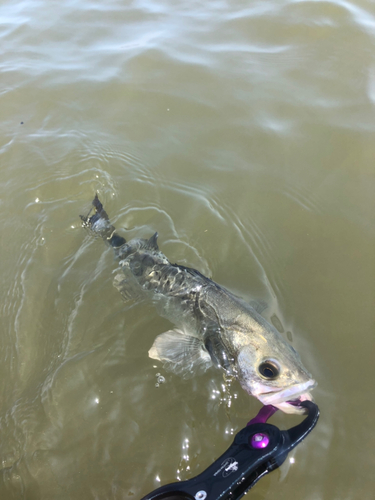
x=152 y=243
x=259 y=305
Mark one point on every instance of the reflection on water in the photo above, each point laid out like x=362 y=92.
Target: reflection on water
x=243 y=134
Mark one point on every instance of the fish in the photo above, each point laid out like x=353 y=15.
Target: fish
x=212 y=326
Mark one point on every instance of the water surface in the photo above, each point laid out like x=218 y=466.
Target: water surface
x=243 y=132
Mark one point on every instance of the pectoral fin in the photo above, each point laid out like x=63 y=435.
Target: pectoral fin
x=182 y=354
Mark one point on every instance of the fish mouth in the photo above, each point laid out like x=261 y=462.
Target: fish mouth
x=288 y=399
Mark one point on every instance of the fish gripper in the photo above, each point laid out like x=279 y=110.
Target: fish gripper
x=257 y=449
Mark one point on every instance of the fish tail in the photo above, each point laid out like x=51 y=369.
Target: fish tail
x=99 y=223
x=97 y=204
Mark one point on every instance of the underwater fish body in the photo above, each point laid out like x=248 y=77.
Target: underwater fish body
x=212 y=325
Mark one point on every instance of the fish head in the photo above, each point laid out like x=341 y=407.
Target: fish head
x=275 y=375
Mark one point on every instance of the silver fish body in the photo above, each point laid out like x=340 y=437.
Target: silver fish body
x=213 y=326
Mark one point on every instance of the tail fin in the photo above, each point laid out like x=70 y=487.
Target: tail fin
x=99 y=223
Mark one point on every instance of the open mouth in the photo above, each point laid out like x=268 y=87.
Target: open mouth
x=288 y=399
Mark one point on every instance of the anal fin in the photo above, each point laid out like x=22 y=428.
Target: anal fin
x=128 y=288
x=182 y=354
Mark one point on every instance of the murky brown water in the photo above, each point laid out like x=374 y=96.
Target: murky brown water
x=244 y=133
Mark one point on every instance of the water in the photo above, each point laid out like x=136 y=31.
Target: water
x=243 y=132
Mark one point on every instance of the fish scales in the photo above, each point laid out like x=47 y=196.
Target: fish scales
x=212 y=326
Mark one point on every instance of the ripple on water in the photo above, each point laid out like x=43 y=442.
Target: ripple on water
x=188 y=120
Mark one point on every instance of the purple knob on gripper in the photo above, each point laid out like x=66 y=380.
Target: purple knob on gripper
x=259 y=440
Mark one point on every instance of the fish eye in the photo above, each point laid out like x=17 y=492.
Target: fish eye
x=269 y=370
